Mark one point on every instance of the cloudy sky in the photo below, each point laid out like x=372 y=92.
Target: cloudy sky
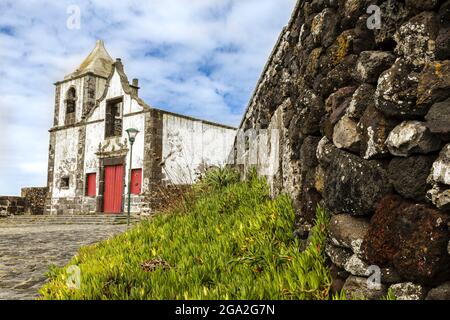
x=196 y=57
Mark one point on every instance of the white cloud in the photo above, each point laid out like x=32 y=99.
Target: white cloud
x=197 y=57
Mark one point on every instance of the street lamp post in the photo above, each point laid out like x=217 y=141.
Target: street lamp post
x=132 y=133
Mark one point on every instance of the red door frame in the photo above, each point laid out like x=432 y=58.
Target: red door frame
x=113 y=189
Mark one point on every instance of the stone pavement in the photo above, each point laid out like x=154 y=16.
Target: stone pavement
x=27 y=251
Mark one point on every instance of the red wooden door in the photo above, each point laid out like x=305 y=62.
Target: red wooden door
x=91 y=190
x=113 y=189
x=136 y=181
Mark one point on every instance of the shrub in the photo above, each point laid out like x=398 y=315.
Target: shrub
x=219 y=178
x=233 y=243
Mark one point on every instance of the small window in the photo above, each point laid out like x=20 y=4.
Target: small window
x=91 y=185
x=136 y=181
x=113 y=118
x=70 y=102
x=64 y=183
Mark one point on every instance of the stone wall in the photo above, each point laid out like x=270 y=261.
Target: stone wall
x=35 y=199
x=12 y=206
x=364 y=120
x=31 y=202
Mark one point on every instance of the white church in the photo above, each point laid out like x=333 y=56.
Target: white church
x=89 y=153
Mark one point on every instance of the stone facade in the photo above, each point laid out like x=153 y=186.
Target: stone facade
x=94 y=106
x=362 y=113
x=35 y=199
x=12 y=206
x=31 y=202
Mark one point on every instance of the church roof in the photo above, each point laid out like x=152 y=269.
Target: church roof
x=98 y=62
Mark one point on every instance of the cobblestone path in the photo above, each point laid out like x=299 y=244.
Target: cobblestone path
x=27 y=251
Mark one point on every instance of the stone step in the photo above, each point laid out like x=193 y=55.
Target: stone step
x=59 y=219
x=70 y=219
x=71 y=216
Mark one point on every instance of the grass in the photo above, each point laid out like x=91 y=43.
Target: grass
x=229 y=241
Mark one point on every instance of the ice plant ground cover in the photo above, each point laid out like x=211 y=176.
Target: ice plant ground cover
x=227 y=240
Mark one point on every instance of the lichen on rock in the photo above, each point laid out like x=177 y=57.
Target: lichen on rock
x=416 y=38
x=396 y=93
x=412 y=137
x=408 y=291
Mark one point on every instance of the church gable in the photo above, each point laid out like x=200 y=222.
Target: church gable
x=117 y=88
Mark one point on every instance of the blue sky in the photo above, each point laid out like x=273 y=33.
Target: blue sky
x=196 y=57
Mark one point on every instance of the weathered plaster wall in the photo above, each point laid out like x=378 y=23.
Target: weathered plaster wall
x=188 y=146
x=217 y=143
x=363 y=116
x=95 y=134
x=66 y=155
x=137 y=122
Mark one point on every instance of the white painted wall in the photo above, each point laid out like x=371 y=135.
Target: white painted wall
x=188 y=144
x=217 y=143
x=95 y=133
x=66 y=149
x=136 y=122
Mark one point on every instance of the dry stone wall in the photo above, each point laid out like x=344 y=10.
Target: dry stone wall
x=11 y=206
x=35 y=199
x=31 y=202
x=363 y=112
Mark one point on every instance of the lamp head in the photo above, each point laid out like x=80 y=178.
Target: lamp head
x=132 y=133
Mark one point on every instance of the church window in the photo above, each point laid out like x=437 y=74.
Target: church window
x=64 y=183
x=71 y=98
x=113 y=118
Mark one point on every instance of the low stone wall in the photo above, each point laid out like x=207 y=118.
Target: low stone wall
x=12 y=206
x=362 y=113
x=31 y=202
x=71 y=206
x=35 y=199
x=89 y=205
